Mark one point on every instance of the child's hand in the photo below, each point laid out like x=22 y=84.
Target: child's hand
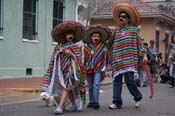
x=105 y=50
x=61 y=50
x=68 y=52
x=145 y=59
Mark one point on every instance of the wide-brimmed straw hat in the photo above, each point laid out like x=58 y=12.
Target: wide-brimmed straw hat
x=134 y=15
x=96 y=28
x=59 y=30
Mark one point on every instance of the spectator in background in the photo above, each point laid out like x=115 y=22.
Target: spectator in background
x=164 y=73
x=143 y=76
x=171 y=60
x=152 y=61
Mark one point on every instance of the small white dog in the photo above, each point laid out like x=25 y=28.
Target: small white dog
x=49 y=99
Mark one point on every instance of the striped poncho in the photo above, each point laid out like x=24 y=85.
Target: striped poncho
x=127 y=50
x=95 y=57
x=64 y=72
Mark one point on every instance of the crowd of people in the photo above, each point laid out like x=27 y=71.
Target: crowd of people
x=167 y=70
x=72 y=65
x=160 y=71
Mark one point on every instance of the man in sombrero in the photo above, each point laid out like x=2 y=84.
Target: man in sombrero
x=95 y=52
x=63 y=78
x=127 y=49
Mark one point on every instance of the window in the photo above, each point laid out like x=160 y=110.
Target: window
x=166 y=45
x=58 y=10
x=81 y=13
x=28 y=71
x=157 y=39
x=1 y=18
x=30 y=19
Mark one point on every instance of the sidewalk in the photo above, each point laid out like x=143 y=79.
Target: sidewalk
x=19 y=89
x=24 y=89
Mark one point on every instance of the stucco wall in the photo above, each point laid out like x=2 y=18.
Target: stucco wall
x=16 y=54
x=147 y=29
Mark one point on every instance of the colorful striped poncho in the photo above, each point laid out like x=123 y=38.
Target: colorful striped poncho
x=95 y=57
x=64 y=72
x=127 y=50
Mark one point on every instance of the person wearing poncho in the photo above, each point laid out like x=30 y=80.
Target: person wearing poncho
x=95 y=52
x=127 y=50
x=64 y=78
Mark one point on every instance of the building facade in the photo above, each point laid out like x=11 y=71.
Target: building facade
x=155 y=24
x=25 y=34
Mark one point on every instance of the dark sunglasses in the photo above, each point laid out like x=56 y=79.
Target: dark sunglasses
x=122 y=16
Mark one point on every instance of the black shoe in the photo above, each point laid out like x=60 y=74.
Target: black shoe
x=90 y=105
x=96 y=106
x=162 y=81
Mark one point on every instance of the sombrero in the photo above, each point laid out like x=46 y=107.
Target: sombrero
x=129 y=9
x=102 y=29
x=59 y=29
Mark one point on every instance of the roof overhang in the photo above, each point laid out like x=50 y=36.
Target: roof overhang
x=143 y=15
x=158 y=15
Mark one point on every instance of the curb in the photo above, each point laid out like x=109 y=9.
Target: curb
x=28 y=90
x=31 y=90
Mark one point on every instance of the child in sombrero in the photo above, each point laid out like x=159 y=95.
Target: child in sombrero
x=64 y=76
x=95 y=51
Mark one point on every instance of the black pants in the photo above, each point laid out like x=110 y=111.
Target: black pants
x=165 y=78
x=172 y=81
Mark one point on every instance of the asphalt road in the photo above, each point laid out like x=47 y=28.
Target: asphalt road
x=162 y=104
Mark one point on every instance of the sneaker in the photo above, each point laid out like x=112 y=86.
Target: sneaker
x=96 y=106
x=114 y=106
x=90 y=105
x=73 y=109
x=171 y=87
x=58 y=110
x=137 y=104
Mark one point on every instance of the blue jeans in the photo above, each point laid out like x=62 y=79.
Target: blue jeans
x=130 y=83
x=94 y=86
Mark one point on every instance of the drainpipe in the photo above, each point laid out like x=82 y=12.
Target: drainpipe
x=45 y=35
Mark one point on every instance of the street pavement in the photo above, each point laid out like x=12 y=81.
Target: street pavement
x=162 y=104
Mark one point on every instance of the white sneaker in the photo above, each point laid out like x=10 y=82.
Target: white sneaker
x=137 y=104
x=58 y=110
x=114 y=106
